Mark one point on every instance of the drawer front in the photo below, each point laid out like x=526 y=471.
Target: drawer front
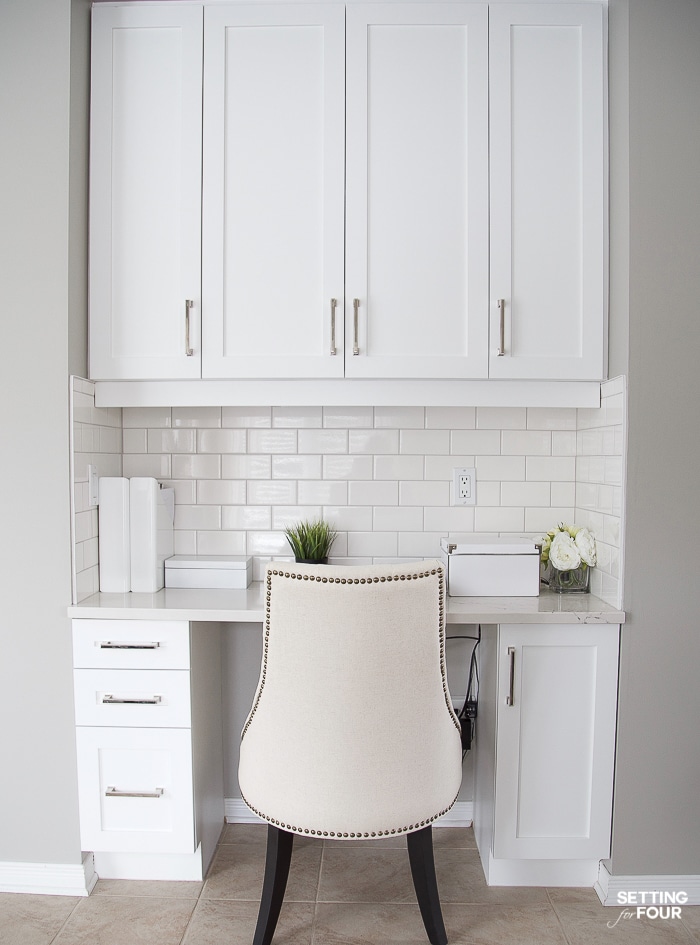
x=131 y=644
x=150 y=698
x=135 y=790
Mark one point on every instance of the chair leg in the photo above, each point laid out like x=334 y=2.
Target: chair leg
x=420 y=854
x=277 y=860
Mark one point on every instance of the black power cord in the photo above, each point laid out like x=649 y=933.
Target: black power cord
x=467 y=714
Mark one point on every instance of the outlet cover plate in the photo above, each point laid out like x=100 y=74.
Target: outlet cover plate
x=464 y=485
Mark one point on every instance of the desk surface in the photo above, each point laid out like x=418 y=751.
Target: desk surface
x=196 y=604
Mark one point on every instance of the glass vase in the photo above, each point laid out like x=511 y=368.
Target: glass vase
x=564 y=582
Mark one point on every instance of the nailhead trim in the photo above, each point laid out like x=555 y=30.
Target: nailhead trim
x=349 y=835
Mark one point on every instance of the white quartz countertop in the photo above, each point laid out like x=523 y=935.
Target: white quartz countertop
x=197 y=604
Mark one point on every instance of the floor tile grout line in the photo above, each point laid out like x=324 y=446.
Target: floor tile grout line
x=67 y=919
x=553 y=907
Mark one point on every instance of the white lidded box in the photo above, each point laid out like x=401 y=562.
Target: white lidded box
x=491 y=567
x=212 y=571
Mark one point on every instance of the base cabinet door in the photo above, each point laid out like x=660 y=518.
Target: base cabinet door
x=136 y=790
x=555 y=743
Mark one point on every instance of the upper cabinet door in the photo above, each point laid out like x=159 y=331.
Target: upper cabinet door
x=145 y=191
x=548 y=187
x=417 y=190
x=273 y=190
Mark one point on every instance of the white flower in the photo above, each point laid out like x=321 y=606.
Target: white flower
x=563 y=553
x=585 y=542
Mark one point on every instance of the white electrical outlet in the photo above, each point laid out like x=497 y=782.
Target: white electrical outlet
x=464 y=486
x=93 y=486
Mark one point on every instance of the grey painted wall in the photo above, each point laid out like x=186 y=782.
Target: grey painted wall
x=38 y=801
x=655 y=826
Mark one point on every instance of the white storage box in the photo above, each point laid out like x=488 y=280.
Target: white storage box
x=491 y=567
x=224 y=571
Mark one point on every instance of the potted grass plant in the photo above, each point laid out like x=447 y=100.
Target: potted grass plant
x=311 y=541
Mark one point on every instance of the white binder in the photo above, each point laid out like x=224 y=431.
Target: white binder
x=114 y=541
x=151 y=514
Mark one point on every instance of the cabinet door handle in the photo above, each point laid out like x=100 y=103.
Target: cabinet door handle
x=334 y=302
x=115 y=792
x=188 y=306
x=109 y=699
x=510 y=698
x=355 y=329
x=124 y=645
x=502 y=327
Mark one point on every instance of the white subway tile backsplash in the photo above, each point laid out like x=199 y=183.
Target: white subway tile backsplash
x=424 y=442
x=479 y=442
x=403 y=418
x=219 y=441
x=220 y=491
x=450 y=418
x=246 y=466
x=348 y=417
x=173 y=441
x=187 y=466
x=197 y=417
x=373 y=441
x=526 y=443
x=323 y=492
x=296 y=467
x=245 y=417
x=272 y=441
x=501 y=418
x=382 y=476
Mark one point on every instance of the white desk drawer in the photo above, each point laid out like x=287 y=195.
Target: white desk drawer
x=135 y=790
x=131 y=644
x=151 y=698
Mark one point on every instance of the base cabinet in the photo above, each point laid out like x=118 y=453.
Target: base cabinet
x=149 y=746
x=545 y=749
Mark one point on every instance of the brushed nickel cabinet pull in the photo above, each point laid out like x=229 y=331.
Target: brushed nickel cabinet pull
x=334 y=302
x=502 y=338
x=188 y=306
x=124 y=645
x=355 y=320
x=109 y=699
x=115 y=792
x=510 y=698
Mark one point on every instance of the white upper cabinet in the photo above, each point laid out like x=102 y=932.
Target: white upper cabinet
x=416 y=278
x=274 y=86
x=145 y=191
x=547 y=187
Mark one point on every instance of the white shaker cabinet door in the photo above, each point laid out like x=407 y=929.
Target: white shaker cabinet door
x=273 y=190
x=557 y=698
x=548 y=187
x=145 y=191
x=417 y=190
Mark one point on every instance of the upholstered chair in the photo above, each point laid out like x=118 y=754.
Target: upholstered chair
x=352 y=733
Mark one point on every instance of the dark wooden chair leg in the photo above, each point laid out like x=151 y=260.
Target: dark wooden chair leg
x=277 y=860
x=420 y=854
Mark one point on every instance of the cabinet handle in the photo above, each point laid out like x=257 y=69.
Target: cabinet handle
x=355 y=320
x=188 y=306
x=502 y=337
x=334 y=302
x=510 y=698
x=109 y=699
x=123 y=645
x=115 y=792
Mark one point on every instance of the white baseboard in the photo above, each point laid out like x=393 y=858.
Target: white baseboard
x=237 y=812
x=610 y=889
x=49 y=879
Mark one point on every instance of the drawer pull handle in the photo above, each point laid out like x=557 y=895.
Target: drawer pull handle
x=109 y=699
x=510 y=698
x=334 y=350
x=502 y=328
x=123 y=645
x=115 y=792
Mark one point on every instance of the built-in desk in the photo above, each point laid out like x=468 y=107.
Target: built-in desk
x=148 y=693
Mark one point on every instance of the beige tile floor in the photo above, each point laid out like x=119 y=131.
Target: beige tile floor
x=339 y=893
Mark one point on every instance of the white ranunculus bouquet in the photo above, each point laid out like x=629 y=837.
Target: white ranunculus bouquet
x=567 y=549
